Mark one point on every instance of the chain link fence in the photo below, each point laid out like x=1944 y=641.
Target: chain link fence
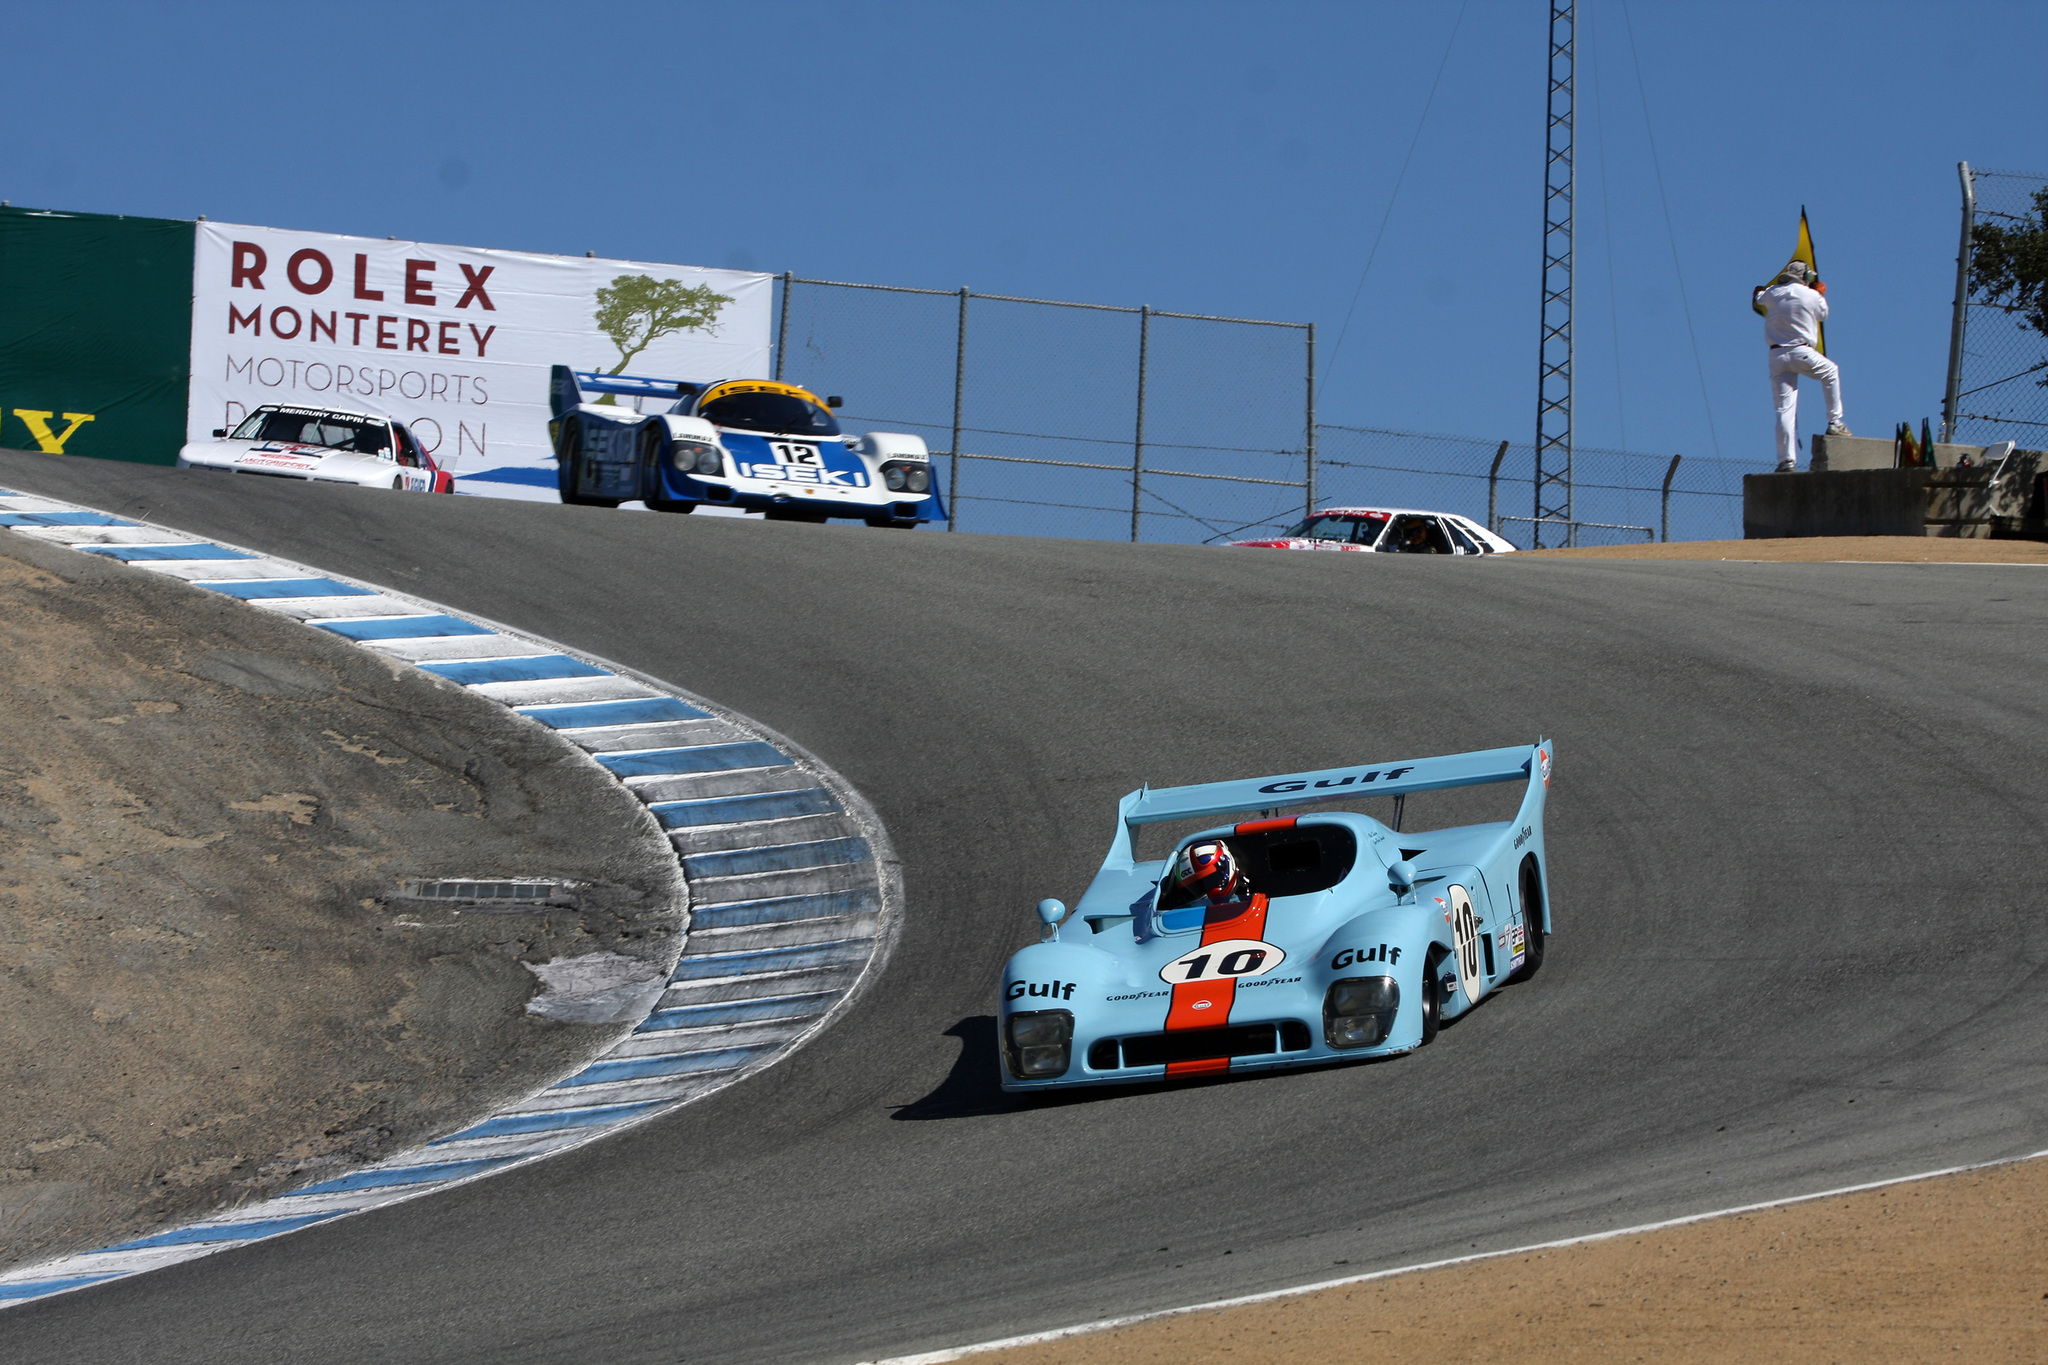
x=1091 y=421
x=2001 y=382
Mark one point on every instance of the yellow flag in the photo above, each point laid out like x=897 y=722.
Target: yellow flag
x=1802 y=251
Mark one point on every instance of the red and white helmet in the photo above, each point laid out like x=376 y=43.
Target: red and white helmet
x=1208 y=869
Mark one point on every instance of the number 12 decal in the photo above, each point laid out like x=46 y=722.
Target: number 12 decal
x=792 y=452
x=1232 y=957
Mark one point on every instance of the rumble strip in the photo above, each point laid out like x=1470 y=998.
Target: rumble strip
x=794 y=893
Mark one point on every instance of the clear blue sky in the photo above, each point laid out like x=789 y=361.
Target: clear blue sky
x=1231 y=158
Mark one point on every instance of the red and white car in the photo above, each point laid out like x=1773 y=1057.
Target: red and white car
x=324 y=445
x=1386 y=530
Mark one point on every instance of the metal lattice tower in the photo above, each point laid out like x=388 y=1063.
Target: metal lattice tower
x=1554 y=354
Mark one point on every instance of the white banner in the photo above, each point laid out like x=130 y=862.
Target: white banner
x=455 y=342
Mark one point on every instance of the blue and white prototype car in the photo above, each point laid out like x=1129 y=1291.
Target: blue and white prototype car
x=1344 y=938
x=753 y=444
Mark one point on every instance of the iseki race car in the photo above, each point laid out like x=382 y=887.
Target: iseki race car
x=1386 y=530
x=753 y=444
x=324 y=445
x=1293 y=939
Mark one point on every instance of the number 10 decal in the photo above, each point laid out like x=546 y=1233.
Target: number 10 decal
x=1465 y=931
x=1232 y=957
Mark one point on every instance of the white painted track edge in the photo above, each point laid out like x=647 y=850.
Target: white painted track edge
x=1079 y=1329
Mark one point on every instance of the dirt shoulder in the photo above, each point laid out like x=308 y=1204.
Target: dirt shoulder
x=1954 y=1268
x=209 y=992
x=1826 y=549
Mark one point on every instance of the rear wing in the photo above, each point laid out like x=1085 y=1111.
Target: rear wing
x=567 y=387
x=1273 y=794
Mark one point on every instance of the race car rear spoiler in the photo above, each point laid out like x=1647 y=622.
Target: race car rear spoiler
x=1148 y=807
x=566 y=387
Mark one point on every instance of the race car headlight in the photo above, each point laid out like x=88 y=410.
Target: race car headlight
x=918 y=480
x=1359 y=1011
x=696 y=457
x=893 y=477
x=1039 y=1043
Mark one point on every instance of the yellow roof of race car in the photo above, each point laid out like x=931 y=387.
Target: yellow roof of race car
x=731 y=386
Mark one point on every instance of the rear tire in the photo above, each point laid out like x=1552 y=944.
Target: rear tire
x=569 y=467
x=1532 y=919
x=1432 y=995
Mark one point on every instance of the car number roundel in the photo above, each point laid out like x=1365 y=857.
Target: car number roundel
x=1239 y=957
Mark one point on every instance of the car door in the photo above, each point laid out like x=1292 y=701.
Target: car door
x=1468 y=913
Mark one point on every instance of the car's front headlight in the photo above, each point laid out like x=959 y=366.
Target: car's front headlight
x=893 y=476
x=697 y=457
x=1039 y=1043
x=1359 y=1011
x=918 y=478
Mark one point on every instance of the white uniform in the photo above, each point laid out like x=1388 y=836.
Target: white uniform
x=1792 y=317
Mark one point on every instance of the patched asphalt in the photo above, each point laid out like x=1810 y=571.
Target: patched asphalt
x=1795 y=832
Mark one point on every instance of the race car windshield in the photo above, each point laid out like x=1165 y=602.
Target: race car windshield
x=335 y=430
x=1352 y=530
x=781 y=413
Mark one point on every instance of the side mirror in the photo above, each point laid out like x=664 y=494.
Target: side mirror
x=1050 y=913
x=1401 y=876
x=219 y=432
x=835 y=401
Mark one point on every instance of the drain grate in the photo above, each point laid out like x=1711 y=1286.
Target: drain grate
x=496 y=890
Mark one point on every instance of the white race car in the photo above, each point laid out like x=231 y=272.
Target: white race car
x=756 y=445
x=325 y=445
x=1386 y=530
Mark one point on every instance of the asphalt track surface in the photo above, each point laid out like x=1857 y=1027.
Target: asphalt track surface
x=1796 y=835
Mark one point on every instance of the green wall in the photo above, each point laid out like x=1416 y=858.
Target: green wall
x=95 y=320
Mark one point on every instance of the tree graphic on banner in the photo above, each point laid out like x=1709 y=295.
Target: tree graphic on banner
x=637 y=310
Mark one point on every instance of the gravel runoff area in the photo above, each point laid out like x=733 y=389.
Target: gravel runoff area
x=211 y=989
x=1950 y=1268
x=1827 y=550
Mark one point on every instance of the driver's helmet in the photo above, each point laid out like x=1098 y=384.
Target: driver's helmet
x=1208 y=869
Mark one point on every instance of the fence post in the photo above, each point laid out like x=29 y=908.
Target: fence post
x=1669 y=474
x=1138 y=444
x=1493 y=489
x=959 y=392
x=782 y=330
x=1956 y=326
x=1309 y=474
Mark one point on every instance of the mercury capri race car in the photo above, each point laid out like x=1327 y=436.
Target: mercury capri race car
x=324 y=445
x=1387 y=530
x=754 y=444
x=1342 y=937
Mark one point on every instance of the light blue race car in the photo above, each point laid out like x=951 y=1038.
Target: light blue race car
x=1287 y=940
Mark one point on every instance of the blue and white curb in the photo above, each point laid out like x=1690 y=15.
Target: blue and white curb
x=794 y=898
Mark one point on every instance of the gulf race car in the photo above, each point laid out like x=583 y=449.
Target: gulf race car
x=753 y=444
x=1386 y=530
x=1286 y=940
x=323 y=445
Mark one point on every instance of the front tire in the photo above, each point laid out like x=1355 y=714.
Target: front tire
x=671 y=505
x=1432 y=996
x=893 y=524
